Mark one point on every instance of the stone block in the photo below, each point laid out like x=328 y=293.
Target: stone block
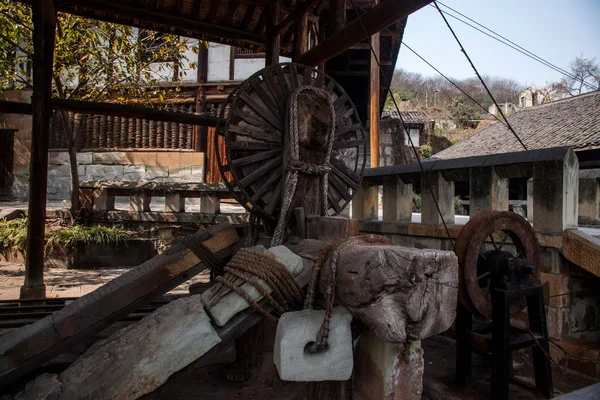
x=20 y=187
x=444 y=194
x=81 y=170
x=85 y=158
x=233 y=303
x=556 y=289
x=197 y=170
x=387 y=371
x=558 y=322
x=487 y=191
x=104 y=172
x=296 y=329
x=134 y=173
x=210 y=204
x=180 y=172
x=174 y=202
x=553 y=261
x=59 y=171
x=125 y=367
x=397 y=200
x=58 y=157
x=110 y=157
x=154 y=171
x=139 y=202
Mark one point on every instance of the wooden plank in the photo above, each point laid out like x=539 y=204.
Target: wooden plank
x=24 y=349
x=273 y=37
x=376 y=19
x=44 y=26
x=15 y=107
x=123 y=110
x=348 y=143
x=301 y=36
x=110 y=8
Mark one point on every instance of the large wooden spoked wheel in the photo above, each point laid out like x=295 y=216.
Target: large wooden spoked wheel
x=253 y=124
x=486 y=236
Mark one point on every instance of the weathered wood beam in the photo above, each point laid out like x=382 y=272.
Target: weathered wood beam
x=15 y=107
x=374 y=98
x=201 y=131
x=122 y=110
x=29 y=347
x=301 y=36
x=337 y=16
x=376 y=19
x=274 y=39
x=292 y=16
x=44 y=27
x=110 y=9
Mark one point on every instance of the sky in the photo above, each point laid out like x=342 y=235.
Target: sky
x=556 y=30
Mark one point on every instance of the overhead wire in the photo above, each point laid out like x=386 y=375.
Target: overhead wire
x=404 y=126
x=498 y=37
x=507 y=122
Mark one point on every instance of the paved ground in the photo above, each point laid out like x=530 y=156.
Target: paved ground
x=69 y=282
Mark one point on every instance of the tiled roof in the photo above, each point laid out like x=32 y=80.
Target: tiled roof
x=409 y=117
x=571 y=122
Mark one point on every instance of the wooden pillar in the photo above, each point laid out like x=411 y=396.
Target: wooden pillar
x=272 y=47
x=487 y=191
x=374 y=106
x=337 y=16
x=201 y=132
x=397 y=200
x=441 y=191
x=44 y=25
x=301 y=36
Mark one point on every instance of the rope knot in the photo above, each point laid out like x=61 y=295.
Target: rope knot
x=308 y=168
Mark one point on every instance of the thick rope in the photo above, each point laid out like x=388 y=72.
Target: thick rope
x=295 y=165
x=249 y=266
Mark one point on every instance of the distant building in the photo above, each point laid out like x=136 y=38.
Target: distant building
x=507 y=108
x=394 y=140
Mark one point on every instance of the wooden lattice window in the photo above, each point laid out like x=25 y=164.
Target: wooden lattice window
x=241 y=53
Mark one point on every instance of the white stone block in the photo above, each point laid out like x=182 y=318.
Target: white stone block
x=153 y=171
x=296 y=329
x=233 y=303
x=84 y=158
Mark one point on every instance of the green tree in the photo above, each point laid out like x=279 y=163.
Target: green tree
x=462 y=112
x=93 y=61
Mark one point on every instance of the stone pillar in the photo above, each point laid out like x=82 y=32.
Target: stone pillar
x=444 y=194
x=555 y=194
x=365 y=203
x=174 y=202
x=397 y=200
x=530 y=199
x=139 y=202
x=589 y=201
x=210 y=204
x=103 y=201
x=487 y=191
x=387 y=371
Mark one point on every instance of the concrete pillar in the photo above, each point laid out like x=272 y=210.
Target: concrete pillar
x=589 y=201
x=103 y=201
x=139 y=202
x=397 y=200
x=530 y=199
x=444 y=194
x=487 y=191
x=365 y=204
x=174 y=202
x=210 y=204
x=555 y=194
x=387 y=371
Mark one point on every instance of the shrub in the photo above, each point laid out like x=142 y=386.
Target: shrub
x=13 y=236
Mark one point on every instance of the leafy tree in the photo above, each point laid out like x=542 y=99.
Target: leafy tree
x=462 y=112
x=93 y=61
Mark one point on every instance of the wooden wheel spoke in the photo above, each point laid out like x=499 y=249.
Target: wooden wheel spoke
x=344 y=115
x=340 y=102
x=255 y=133
x=333 y=199
x=348 y=176
x=262 y=111
x=348 y=143
x=274 y=200
x=254 y=158
x=494 y=242
x=339 y=186
x=266 y=98
x=275 y=176
x=256 y=174
x=253 y=146
x=347 y=130
x=503 y=240
x=275 y=91
x=330 y=86
x=283 y=85
x=307 y=76
x=295 y=77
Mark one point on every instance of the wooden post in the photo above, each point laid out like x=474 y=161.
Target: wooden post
x=44 y=25
x=201 y=132
x=272 y=47
x=301 y=36
x=337 y=16
x=374 y=106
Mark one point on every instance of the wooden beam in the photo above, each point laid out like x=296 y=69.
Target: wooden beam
x=25 y=349
x=121 y=110
x=44 y=27
x=110 y=9
x=374 y=99
x=337 y=16
x=274 y=39
x=292 y=16
x=15 y=107
x=376 y=19
x=201 y=131
x=301 y=36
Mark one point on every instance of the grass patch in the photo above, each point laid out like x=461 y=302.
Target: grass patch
x=13 y=236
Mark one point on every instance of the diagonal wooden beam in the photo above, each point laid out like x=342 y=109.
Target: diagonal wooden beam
x=376 y=19
x=294 y=15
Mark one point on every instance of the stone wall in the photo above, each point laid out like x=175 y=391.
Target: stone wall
x=125 y=166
